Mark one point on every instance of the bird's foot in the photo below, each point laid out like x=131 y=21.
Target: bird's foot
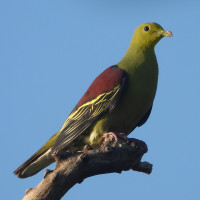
x=115 y=136
x=110 y=135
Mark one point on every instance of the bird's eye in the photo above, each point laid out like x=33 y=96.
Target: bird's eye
x=146 y=28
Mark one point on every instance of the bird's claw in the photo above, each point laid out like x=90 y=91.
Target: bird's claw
x=116 y=136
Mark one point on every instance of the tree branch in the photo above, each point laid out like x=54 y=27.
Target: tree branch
x=73 y=168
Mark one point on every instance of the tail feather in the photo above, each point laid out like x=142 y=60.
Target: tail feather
x=37 y=161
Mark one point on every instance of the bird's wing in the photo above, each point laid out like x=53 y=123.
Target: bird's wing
x=102 y=96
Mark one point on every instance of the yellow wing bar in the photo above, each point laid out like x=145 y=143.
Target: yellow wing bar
x=83 y=117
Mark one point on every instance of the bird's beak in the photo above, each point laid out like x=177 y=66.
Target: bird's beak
x=167 y=33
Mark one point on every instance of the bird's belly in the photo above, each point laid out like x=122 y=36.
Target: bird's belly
x=129 y=112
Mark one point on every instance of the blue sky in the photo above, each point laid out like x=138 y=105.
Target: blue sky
x=50 y=53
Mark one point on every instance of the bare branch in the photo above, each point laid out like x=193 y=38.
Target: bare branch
x=73 y=168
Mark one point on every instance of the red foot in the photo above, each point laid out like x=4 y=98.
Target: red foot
x=115 y=135
x=110 y=134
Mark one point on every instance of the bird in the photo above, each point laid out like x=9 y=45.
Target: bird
x=118 y=100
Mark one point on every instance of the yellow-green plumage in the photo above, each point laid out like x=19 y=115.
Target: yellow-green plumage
x=118 y=109
x=140 y=63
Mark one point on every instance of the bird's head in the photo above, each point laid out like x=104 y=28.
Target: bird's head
x=149 y=34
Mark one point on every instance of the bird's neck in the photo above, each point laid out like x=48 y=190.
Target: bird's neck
x=137 y=56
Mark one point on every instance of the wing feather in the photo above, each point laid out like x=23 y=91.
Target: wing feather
x=83 y=116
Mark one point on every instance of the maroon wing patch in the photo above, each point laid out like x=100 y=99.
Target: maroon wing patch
x=105 y=82
x=106 y=91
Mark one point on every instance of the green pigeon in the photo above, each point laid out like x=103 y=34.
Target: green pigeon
x=118 y=100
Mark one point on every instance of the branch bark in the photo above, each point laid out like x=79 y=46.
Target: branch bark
x=73 y=168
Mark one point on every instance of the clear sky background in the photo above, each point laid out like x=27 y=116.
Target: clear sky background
x=50 y=52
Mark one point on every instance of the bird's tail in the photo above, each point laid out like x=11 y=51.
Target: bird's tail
x=37 y=161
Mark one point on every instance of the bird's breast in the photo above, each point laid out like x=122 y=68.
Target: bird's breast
x=137 y=99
